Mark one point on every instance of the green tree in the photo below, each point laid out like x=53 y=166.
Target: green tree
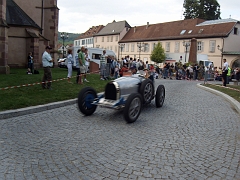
x=158 y=54
x=204 y=9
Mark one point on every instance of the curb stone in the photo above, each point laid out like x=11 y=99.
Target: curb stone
x=35 y=109
x=234 y=102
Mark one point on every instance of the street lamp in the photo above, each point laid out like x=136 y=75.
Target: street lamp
x=186 y=44
x=221 y=50
x=63 y=36
x=140 y=45
x=121 y=46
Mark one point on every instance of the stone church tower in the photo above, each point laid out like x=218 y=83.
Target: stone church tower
x=27 y=26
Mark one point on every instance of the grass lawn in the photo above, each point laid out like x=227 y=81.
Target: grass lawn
x=233 y=93
x=34 y=95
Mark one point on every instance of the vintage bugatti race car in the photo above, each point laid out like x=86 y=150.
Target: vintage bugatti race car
x=127 y=93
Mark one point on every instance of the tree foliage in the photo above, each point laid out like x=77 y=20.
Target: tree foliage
x=158 y=54
x=204 y=9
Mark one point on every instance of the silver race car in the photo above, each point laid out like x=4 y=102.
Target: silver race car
x=127 y=93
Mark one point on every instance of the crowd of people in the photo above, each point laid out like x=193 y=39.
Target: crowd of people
x=111 y=68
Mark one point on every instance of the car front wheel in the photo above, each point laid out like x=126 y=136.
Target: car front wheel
x=160 y=96
x=133 y=107
x=85 y=100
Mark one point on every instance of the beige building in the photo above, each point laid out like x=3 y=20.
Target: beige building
x=110 y=35
x=216 y=39
x=27 y=26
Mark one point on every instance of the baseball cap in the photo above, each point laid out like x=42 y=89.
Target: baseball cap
x=48 y=47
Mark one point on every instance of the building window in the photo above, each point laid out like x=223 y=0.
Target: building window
x=182 y=32
x=123 y=48
x=102 y=39
x=117 y=38
x=199 y=46
x=111 y=38
x=127 y=47
x=212 y=46
x=95 y=39
x=107 y=38
x=83 y=42
x=76 y=42
x=146 y=47
x=177 y=46
x=167 y=47
x=132 y=47
x=235 y=31
x=153 y=46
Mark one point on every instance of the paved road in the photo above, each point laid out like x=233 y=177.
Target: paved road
x=195 y=135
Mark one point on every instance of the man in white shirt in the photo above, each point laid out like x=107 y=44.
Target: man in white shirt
x=224 y=72
x=47 y=63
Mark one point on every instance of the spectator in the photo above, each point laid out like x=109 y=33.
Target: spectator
x=47 y=63
x=116 y=71
x=87 y=60
x=77 y=65
x=69 y=65
x=81 y=57
x=103 y=61
x=123 y=69
x=224 y=72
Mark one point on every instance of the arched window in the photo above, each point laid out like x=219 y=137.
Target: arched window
x=236 y=63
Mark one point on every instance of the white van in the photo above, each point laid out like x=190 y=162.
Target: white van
x=206 y=63
x=94 y=53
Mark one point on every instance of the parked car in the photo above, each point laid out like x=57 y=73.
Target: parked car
x=127 y=93
x=62 y=63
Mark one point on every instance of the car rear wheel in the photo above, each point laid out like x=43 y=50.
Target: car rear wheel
x=133 y=107
x=85 y=100
x=147 y=91
x=160 y=96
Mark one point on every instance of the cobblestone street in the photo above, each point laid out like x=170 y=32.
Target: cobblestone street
x=195 y=135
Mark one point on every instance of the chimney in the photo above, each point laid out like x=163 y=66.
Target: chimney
x=147 y=25
x=134 y=28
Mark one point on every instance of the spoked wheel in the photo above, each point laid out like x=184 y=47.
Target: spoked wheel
x=160 y=96
x=147 y=91
x=133 y=107
x=85 y=100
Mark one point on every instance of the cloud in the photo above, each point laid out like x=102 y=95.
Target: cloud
x=77 y=16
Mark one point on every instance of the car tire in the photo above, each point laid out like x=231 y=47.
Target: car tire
x=160 y=96
x=85 y=98
x=147 y=91
x=132 y=107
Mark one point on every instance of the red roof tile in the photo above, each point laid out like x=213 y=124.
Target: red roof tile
x=90 y=32
x=172 y=30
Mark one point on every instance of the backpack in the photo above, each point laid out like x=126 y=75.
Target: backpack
x=35 y=72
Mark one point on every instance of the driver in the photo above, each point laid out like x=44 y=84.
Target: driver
x=134 y=71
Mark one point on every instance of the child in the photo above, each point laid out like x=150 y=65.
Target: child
x=116 y=71
x=29 y=71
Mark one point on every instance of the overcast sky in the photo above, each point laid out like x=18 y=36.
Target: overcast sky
x=78 y=16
